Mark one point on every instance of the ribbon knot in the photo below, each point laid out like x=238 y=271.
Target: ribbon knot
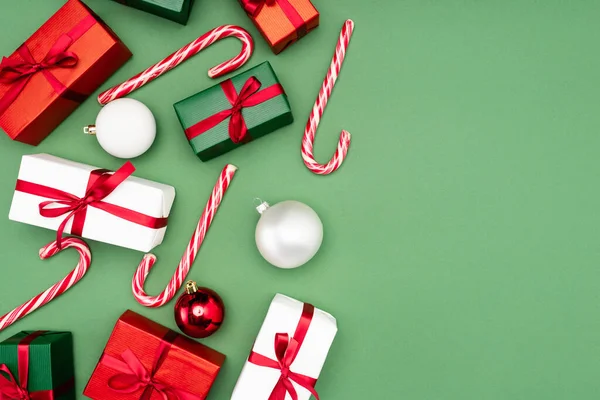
x=133 y=376
x=285 y=371
x=101 y=184
x=237 y=107
x=237 y=125
x=250 y=95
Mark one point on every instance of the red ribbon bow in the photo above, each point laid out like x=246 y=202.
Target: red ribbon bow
x=11 y=390
x=18 y=73
x=286 y=350
x=133 y=375
x=249 y=96
x=100 y=185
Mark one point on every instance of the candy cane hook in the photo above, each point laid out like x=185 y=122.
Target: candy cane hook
x=85 y=260
x=183 y=54
x=189 y=256
x=319 y=107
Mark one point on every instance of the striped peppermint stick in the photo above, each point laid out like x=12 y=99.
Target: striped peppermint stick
x=183 y=54
x=189 y=256
x=85 y=259
x=317 y=112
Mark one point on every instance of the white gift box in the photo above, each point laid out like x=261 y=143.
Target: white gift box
x=257 y=382
x=141 y=195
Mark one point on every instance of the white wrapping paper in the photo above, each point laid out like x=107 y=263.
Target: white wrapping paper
x=147 y=197
x=256 y=382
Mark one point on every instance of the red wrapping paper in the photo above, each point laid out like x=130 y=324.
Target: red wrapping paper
x=282 y=22
x=186 y=366
x=40 y=106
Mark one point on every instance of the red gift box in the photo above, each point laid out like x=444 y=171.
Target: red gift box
x=57 y=68
x=146 y=361
x=282 y=22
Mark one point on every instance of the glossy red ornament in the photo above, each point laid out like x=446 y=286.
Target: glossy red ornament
x=199 y=312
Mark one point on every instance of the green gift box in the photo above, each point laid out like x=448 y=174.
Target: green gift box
x=234 y=112
x=175 y=10
x=37 y=365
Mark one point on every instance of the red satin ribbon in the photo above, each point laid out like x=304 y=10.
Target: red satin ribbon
x=11 y=390
x=254 y=7
x=18 y=72
x=100 y=184
x=286 y=350
x=133 y=376
x=251 y=95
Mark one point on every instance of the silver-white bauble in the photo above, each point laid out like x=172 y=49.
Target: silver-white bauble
x=288 y=234
x=125 y=128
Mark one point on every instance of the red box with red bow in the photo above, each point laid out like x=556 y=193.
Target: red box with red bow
x=55 y=70
x=282 y=22
x=144 y=360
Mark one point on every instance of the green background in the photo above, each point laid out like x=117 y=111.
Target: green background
x=461 y=253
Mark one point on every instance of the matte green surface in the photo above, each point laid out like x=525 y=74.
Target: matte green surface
x=260 y=119
x=461 y=254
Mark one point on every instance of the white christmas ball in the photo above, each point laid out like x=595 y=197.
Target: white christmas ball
x=288 y=234
x=125 y=128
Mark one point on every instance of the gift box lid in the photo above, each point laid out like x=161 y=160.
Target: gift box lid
x=50 y=359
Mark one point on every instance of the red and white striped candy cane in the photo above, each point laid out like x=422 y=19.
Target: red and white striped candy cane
x=183 y=54
x=190 y=253
x=85 y=259
x=317 y=112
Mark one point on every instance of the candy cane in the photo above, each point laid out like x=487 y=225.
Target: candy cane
x=85 y=259
x=189 y=256
x=317 y=112
x=183 y=54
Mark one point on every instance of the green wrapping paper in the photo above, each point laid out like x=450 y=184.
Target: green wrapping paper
x=260 y=119
x=175 y=10
x=50 y=363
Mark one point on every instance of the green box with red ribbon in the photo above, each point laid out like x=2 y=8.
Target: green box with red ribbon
x=234 y=112
x=37 y=365
x=175 y=10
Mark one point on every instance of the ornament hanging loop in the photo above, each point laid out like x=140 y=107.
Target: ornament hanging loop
x=183 y=54
x=261 y=206
x=191 y=287
x=319 y=107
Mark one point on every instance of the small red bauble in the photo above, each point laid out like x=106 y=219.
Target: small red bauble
x=199 y=312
